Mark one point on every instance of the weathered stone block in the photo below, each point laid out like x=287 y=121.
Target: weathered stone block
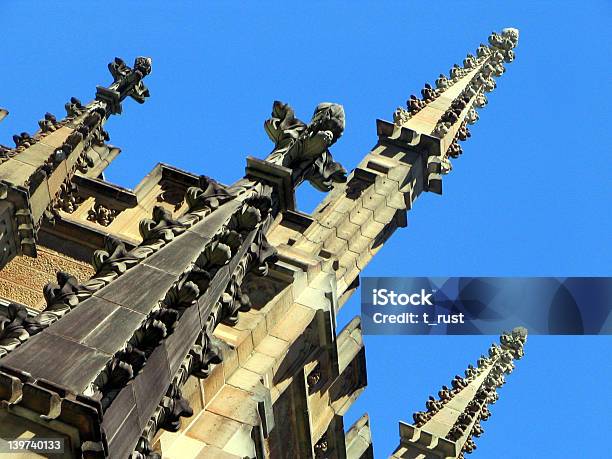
x=213 y=429
x=358 y=243
x=331 y=219
x=235 y=403
x=213 y=383
x=259 y=363
x=299 y=317
x=373 y=201
x=273 y=346
x=346 y=230
x=245 y=379
x=177 y=255
x=384 y=214
x=139 y=289
x=39 y=356
x=371 y=228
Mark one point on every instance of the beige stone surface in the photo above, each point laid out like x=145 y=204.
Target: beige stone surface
x=273 y=346
x=23 y=278
x=256 y=322
x=281 y=234
x=56 y=138
x=36 y=154
x=212 y=452
x=277 y=310
x=183 y=447
x=245 y=379
x=213 y=429
x=259 y=363
x=40 y=198
x=230 y=362
x=236 y=404
x=213 y=383
x=335 y=245
x=241 y=340
x=301 y=316
x=192 y=391
x=16 y=172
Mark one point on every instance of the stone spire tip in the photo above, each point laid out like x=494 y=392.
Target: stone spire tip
x=520 y=331
x=512 y=34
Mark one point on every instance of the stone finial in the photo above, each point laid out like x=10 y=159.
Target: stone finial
x=512 y=34
x=304 y=148
x=514 y=341
x=127 y=82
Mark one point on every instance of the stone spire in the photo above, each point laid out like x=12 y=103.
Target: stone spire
x=447 y=427
x=35 y=173
x=440 y=119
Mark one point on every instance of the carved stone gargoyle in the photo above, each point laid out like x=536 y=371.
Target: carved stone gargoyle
x=304 y=148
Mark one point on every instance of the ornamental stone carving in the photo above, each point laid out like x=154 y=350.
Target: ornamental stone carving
x=442 y=82
x=304 y=148
x=400 y=116
x=74 y=107
x=127 y=82
x=171 y=193
x=101 y=214
x=472 y=116
x=415 y=104
x=480 y=101
x=421 y=417
x=429 y=94
x=68 y=199
x=12 y=328
x=49 y=123
x=469 y=62
x=23 y=141
x=6 y=153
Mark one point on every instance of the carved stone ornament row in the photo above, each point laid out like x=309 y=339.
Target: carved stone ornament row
x=48 y=124
x=489 y=63
x=498 y=363
x=110 y=262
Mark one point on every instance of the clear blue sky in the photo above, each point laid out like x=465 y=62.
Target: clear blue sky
x=530 y=196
